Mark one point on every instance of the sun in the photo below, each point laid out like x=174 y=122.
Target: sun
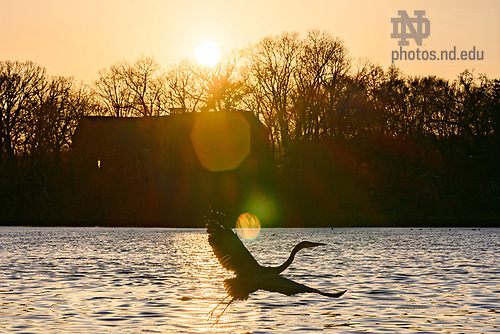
x=208 y=54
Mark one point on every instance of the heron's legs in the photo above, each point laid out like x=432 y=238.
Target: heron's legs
x=225 y=308
x=217 y=318
x=211 y=313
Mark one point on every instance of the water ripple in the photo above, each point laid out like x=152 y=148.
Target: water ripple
x=80 y=280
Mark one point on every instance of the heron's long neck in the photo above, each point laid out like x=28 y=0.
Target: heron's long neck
x=288 y=262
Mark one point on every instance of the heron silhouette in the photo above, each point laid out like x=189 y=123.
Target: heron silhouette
x=251 y=276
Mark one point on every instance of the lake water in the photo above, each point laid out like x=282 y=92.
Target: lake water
x=105 y=280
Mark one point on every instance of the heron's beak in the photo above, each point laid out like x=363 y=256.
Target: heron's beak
x=316 y=244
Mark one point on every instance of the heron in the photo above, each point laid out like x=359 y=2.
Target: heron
x=250 y=276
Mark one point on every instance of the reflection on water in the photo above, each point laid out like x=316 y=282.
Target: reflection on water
x=77 y=280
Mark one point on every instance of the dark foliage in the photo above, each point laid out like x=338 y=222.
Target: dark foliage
x=352 y=145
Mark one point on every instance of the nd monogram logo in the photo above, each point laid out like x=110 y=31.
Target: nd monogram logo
x=418 y=26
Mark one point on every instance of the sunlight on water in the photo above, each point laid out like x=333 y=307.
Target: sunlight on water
x=248 y=226
x=104 y=280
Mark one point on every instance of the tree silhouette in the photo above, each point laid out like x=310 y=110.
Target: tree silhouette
x=272 y=65
x=133 y=89
x=55 y=114
x=19 y=84
x=322 y=69
x=223 y=84
x=351 y=139
x=184 y=88
x=113 y=92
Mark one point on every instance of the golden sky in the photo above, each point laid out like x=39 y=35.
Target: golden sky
x=80 y=37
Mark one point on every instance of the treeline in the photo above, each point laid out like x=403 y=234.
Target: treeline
x=353 y=143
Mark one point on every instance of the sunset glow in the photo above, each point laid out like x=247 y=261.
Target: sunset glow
x=78 y=38
x=208 y=54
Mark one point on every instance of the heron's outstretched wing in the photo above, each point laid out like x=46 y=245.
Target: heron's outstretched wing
x=228 y=248
x=288 y=287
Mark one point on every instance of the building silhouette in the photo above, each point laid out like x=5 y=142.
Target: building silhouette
x=146 y=171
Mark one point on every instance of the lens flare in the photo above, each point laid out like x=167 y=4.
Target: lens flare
x=248 y=226
x=262 y=205
x=221 y=139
